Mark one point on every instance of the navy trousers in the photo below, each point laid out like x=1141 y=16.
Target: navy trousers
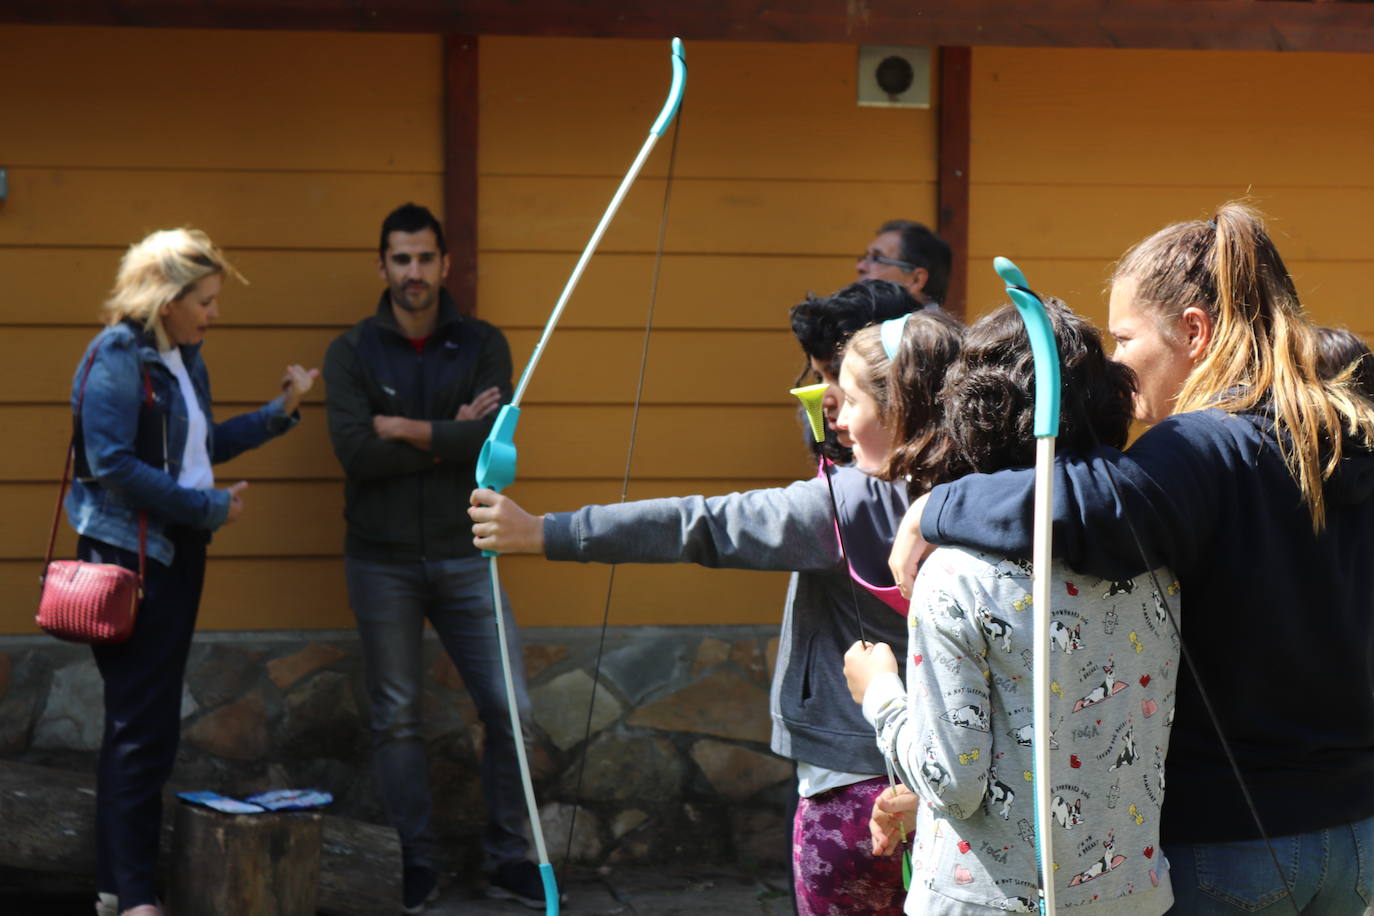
x=143 y=685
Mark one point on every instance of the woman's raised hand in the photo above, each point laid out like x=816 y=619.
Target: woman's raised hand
x=295 y=382
x=501 y=526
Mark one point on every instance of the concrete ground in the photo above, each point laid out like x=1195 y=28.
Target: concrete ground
x=684 y=890
x=643 y=891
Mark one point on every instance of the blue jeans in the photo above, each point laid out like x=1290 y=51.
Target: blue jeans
x=1331 y=873
x=391 y=602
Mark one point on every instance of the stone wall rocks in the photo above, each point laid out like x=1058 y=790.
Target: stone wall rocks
x=676 y=768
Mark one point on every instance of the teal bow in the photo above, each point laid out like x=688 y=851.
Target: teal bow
x=1046 y=356
x=496 y=462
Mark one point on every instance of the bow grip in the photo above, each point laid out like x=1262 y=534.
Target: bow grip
x=496 y=461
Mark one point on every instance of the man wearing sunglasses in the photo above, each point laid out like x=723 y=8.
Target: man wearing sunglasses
x=910 y=255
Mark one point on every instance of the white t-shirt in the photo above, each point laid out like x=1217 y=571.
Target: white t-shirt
x=196 y=472
x=812 y=780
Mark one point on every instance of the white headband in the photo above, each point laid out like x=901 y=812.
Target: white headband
x=890 y=333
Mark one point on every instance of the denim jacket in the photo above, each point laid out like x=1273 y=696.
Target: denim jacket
x=129 y=451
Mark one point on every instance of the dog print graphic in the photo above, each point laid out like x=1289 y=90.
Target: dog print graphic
x=936 y=776
x=1068 y=640
x=1103 y=865
x=1012 y=904
x=999 y=793
x=1124 y=587
x=994 y=628
x=1127 y=756
x=969 y=716
x=1068 y=816
x=1108 y=688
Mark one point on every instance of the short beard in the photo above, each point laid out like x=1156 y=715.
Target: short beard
x=404 y=302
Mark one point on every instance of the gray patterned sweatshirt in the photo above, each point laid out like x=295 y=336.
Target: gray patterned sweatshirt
x=960 y=734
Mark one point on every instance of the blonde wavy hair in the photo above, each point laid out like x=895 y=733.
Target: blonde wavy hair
x=161 y=269
x=1264 y=349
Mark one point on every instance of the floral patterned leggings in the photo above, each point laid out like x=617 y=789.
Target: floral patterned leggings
x=834 y=868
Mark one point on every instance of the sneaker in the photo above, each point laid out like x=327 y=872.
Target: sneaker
x=106 y=904
x=518 y=881
x=420 y=887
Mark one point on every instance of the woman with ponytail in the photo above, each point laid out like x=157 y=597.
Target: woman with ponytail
x=1256 y=485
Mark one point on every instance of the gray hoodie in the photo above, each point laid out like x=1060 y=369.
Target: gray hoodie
x=786 y=528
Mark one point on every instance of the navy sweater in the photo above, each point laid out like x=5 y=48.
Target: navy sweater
x=1279 y=619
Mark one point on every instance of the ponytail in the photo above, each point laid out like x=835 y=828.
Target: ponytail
x=1263 y=350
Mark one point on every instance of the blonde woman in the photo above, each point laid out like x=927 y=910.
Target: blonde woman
x=145 y=445
x=1256 y=485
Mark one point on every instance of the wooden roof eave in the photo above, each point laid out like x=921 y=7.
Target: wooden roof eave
x=1274 y=25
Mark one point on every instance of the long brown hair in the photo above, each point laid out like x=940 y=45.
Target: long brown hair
x=906 y=388
x=1263 y=349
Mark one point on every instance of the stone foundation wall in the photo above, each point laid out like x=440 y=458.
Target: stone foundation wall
x=676 y=767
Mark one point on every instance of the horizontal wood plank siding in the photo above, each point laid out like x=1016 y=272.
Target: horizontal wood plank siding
x=287 y=148
x=1078 y=154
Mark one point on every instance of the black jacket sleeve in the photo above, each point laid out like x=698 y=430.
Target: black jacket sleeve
x=363 y=454
x=1163 y=491
x=461 y=440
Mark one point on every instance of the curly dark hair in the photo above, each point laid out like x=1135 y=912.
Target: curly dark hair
x=987 y=403
x=822 y=324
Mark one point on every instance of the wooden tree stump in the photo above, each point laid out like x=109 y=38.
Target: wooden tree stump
x=227 y=864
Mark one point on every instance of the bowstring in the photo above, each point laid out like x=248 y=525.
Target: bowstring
x=629 y=464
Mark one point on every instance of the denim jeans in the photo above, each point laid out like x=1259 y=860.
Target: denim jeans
x=143 y=685
x=391 y=602
x=1331 y=873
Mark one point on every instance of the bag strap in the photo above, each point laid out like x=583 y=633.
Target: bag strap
x=67 y=471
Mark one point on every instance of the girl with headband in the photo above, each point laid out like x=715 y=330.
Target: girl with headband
x=959 y=732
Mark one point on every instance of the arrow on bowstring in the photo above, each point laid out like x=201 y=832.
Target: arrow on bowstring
x=496 y=462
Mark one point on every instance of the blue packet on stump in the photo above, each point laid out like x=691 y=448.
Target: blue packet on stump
x=220 y=802
x=291 y=799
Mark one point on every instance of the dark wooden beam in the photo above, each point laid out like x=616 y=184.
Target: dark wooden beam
x=955 y=114
x=1276 y=25
x=460 y=167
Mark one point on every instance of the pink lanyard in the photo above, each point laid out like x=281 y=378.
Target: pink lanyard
x=890 y=595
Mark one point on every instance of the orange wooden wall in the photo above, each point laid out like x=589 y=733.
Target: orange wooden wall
x=1077 y=154
x=289 y=148
x=780 y=179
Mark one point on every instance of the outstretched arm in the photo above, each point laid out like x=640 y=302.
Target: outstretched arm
x=783 y=528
